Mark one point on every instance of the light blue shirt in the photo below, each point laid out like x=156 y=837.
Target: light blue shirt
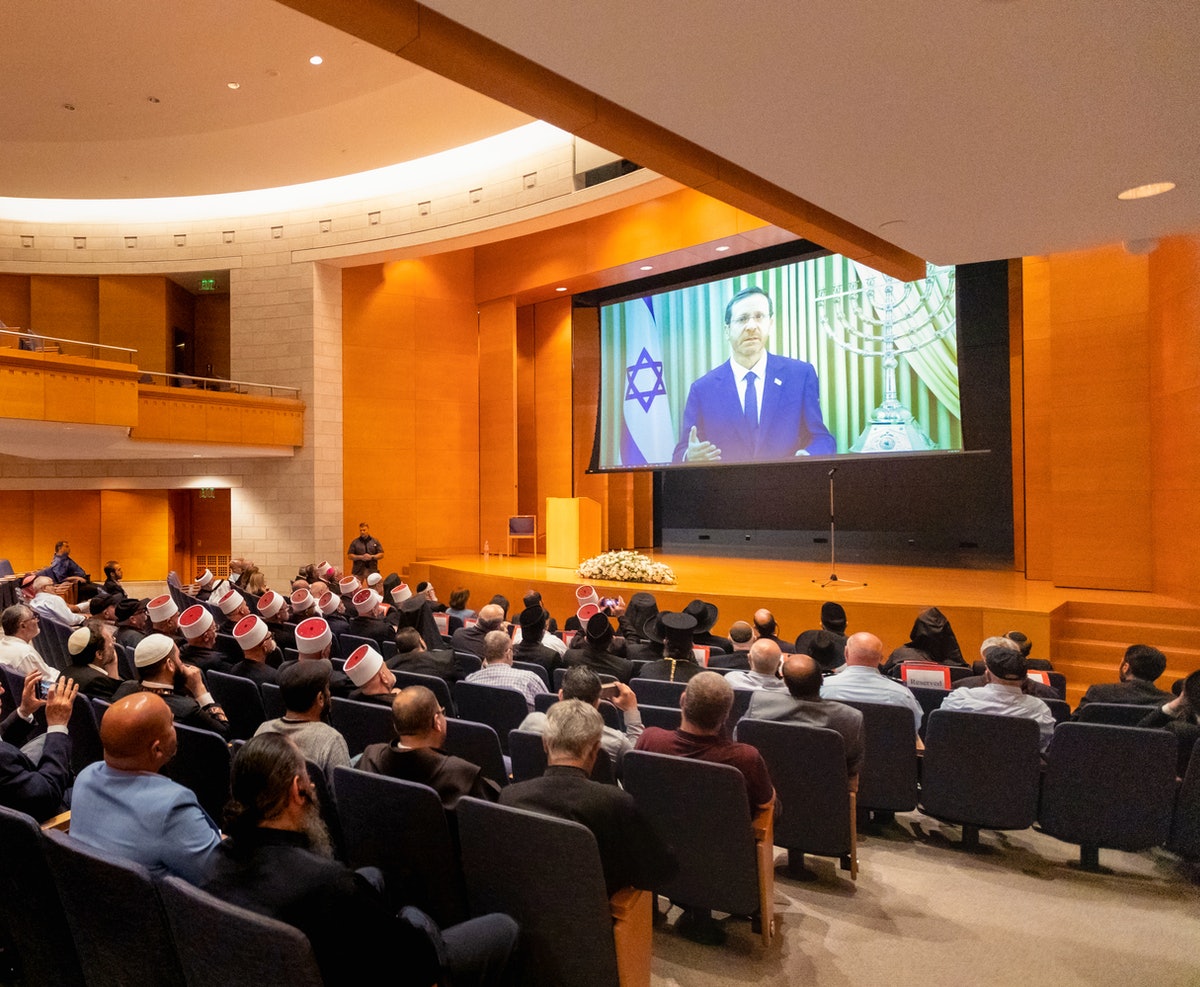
x=861 y=684
x=1003 y=700
x=145 y=818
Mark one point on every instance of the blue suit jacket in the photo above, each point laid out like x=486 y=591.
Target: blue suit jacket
x=790 y=419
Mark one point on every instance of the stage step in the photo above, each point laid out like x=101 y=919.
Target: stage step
x=1090 y=640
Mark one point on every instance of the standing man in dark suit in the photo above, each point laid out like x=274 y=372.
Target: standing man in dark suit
x=757 y=406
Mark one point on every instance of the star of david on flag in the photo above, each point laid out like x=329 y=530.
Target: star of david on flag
x=648 y=435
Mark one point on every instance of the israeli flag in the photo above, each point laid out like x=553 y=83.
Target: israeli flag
x=648 y=435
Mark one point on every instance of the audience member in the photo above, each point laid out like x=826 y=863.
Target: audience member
x=258 y=649
x=1031 y=687
x=1141 y=667
x=765 y=658
x=199 y=629
x=833 y=627
x=825 y=649
x=164 y=616
x=705 y=615
x=278 y=863
x=416 y=755
x=413 y=656
x=631 y=852
x=132 y=621
x=103 y=606
x=273 y=608
x=94 y=659
x=498 y=669
x=741 y=637
x=641 y=611
x=37 y=789
x=368 y=620
x=304 y=688
x=40 y=596
x=803 y=704
x=469 y=640
x=64 y=569
x=860 y=680
x=161 y=671
x=582 y=683
x=1002 y=695
x=21 y=625
x=931 y=639
x=1180 y=716
x=373 y=680
x=533 y=646
x=597 y=649
x=765 y=626
x=122 y=806
x=113 y=574
x=673 y=631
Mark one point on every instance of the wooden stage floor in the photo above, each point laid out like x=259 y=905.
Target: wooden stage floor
x=886 y=601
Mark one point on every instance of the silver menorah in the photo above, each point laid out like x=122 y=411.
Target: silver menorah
x=882 y=318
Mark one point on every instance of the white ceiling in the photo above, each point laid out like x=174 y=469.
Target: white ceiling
x=968 y=130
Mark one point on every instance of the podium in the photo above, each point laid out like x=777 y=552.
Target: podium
x=572 y=531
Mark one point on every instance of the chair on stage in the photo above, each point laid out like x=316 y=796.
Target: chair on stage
x=808 y=767
x=500 y=708
x=220 y=944
x=888 y=781
x=401 y=828
x=522 y=527
x=477 y=743
x=1108 y=786
x=981 y=772
x=114 y=916
x=241 y=700
x=362 y=724
x=732 y=869
x=31 y=912
x=572 y=931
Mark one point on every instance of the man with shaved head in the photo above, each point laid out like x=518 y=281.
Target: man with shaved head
x=802 y=703
x=765 y=657
x=470 y=639
x=124 y=807
x=860 y=681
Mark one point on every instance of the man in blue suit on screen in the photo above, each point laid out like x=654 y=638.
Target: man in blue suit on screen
x=757 y=406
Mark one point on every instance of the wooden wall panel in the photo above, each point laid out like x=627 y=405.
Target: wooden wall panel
x=552 y=321
x=212 y=335
x=73 y=515
x=1174 y=277
x=14 y=304
x=210 y=525
x=528 y=449
x=66 y=307
x=133 y=313
x=497 y=421
x=133 y=531
x=16 y=534
x=1100 y=431
x=410 y=407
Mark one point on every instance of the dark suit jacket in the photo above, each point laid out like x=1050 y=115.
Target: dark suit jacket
x=440 y=663
x=93 y=682
x=790 y=419
x=1137 y=692
x=631 y=853
x=35 y=789
x=601 y=662
x=469 y=640
x=451 y=777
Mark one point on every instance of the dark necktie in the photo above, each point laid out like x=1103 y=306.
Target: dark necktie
x=751 y=402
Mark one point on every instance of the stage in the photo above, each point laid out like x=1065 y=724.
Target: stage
x=882 y=599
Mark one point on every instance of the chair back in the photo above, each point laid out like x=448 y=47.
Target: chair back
x=1060 y=709
x=228 y=646
x=51 y=643
x=125 y=663
x=115 y=918
x=467 y=663
x=557 y=894
x=888 y=781
x=31 y=912
x=678 y=795
x=401 y=828
x=438 y=686
x=272 y=700
x=930 y=699
x=1185 y=824
x=241 y=700
x=201 y=763
x=85 y=734
x=1109 y=786
x=528 y=754
x=664 y=717
x=14 y=683
x=656 y=692
x=538 y=670
x=981 y=770
x=808 y=767
x=477 y=743
x=1114 y=714
x=222 y=945
x=361 y=723
x=501 y=709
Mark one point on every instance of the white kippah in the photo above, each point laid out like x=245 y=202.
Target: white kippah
x=152 y=649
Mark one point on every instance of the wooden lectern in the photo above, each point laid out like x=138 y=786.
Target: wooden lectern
x=572 y=531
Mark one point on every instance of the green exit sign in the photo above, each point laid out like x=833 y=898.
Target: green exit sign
x=208 y=284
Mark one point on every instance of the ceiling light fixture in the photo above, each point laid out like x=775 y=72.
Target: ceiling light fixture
x=234 y=85
x=560 y=289
x=645 y=267
x=721 y=249
x=315 y=60
x=1145 y=191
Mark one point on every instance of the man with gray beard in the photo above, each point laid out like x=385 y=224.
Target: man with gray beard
x=278 y=863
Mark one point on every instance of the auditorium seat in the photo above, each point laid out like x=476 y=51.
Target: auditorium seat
x=888 y=780
x=1114 y=714
x=272 y=700
x=571 y=931
x=529 y=758
x=500 y=708
x=361 y=723
x=467 y=663
x=538 y=670
x=114 y=916
x=201 y=763
x=1108 y=787
x=980 y=772
x=433 y=683
x=1185 y=823
x=242 y=701
x=477 y=743
x=808 y=768
x=930 y=699
x=664 y=717
x=401 y=828
x=84 y=729
x=732 y=869
x=656 y=692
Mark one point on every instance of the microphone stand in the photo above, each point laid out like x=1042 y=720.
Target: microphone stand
x=833 y=579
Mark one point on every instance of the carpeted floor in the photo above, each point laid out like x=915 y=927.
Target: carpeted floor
x=923 y=912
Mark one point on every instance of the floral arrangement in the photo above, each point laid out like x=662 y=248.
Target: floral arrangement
x=626 y=566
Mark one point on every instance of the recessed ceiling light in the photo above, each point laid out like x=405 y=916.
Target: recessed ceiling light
x=645 y=267
x=721 y=249
x=315 y=60
x=1145 y=191
x=560 y=289
x=234 y=85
